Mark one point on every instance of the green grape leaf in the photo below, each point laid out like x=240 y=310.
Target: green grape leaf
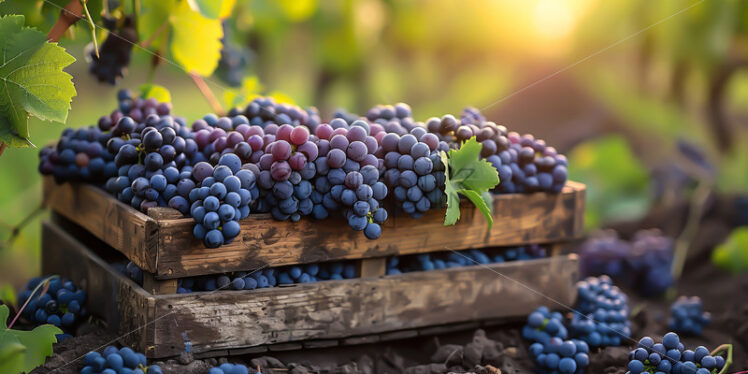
x=196 y=40
x=213 y=9
x=8 y=294
x=33 y=83
x=153 y=14
x=468 y=175
x=37 y=342
x=479 y=203
x=12 y=354
x=155 y=91
x=453 y=198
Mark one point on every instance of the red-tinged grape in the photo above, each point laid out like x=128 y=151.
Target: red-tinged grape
x=339 y=142
x=299 y=136
x=281 y=150
x=310 y=150
x=297 y=161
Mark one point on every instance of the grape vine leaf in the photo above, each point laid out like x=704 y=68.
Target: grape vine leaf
x=155 y=91
x=36 y=344
x=213 y=9
x=33 y=83
x=151 y=19
x=468 y=175
x=196 y=40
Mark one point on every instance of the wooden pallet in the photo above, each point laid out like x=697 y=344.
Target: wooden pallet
x=162 y=243
x=328 y=313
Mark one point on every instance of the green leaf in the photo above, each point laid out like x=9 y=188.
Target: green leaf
x=196 y=40
x=37 y=342
x=733 y=253
x=153 y=14
x=479 y=203
x=8 y=294
x=453 y=198
x=468 y=175
x=213 y=9
x=155 y=91
x=33 y=82
x=12 y=354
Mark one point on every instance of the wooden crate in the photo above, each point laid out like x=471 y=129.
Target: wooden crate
x=326 y=313
x=162 y=243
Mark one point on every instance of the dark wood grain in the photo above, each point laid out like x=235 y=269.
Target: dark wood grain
x=122 y=227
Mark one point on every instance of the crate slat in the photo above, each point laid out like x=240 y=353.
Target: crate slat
x=167 y=248
x=218 y=321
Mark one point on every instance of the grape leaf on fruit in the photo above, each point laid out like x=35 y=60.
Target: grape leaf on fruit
x=33 y=83
x=213 y=8
x=471 y=177
x=155 y=91
x=196 y=40
x=37 y=343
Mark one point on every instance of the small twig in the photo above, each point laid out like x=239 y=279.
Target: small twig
x=686 y=237
x=155 y=34
x=92 y=26
x=44 y=283
x=16 y=230
x=207 y=93
x=69 y=15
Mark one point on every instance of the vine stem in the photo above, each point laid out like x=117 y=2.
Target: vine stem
x=207 y=93
x=69 y=15
x=686 y=237
x=17 y=228
x=44 y=283
x=728 y=359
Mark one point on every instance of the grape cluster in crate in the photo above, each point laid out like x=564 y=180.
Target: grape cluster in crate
x=283 y=160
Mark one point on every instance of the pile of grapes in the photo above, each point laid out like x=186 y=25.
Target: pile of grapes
x=670 y=356
x=229 y=368
x=643 y=263
x=117 y=361
x=687 y=315
x=264 y=278
x=62 y=305
x=282 y=159
x=447 y=260
x=602 y=318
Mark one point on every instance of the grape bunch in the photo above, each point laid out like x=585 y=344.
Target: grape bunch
x=348 y=176
x=234 y=60
x=687 y=316
x=602 y=318
x=80 y=155
x=228 y=368
x=62 y=305
x=447 y=260
x=221 y=200
x=643 y=264
x=286 y=171
x=414 y=170
x=264 y=111
x=117 y=361
x=114 y=54
x=670 y=356
x=267 y=278
x=561 y=356
x=393 y=119
x=544 y=325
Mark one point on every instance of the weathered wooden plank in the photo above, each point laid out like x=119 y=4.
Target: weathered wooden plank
x=119 y=225
x=358 y=307
x=519 y=219
x=373 y=267
x=126 y=308
x=158 y=287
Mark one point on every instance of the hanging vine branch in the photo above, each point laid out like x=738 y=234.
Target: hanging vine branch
x=69 y=15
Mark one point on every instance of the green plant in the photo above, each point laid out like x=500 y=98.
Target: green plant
x=733 y=253
x=22 y=351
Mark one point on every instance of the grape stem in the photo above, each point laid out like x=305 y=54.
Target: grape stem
x=207 y=93
x=92 y=26
x=69 y=15
x=16 y=230
x=44 y=283
x=728 y=359
x=683 y=242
